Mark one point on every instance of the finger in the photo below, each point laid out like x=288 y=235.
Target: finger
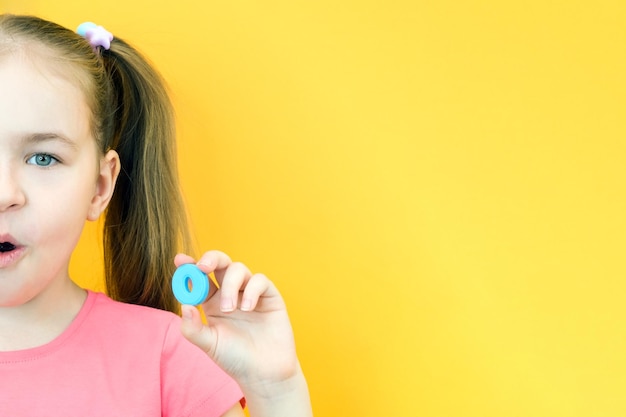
x=235 y=279
x=257 y=286
x=198 y=334
x=182 y=258
x=214 y=261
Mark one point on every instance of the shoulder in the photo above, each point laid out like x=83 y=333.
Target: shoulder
x=149 y=342
x=102 y=302
x=128 y=320
x=181 y=365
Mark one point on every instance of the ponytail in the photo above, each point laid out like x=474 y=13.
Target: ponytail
x=145 y=223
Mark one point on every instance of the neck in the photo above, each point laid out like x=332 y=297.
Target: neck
x=41 y=319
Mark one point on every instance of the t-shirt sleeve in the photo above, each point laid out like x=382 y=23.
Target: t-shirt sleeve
x=191 y=383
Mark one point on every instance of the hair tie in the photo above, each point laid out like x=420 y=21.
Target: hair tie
x=95 y=35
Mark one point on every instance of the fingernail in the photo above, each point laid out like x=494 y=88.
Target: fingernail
x=226 y=304
x=208 y=263
x=246 y=305
x=186 y=314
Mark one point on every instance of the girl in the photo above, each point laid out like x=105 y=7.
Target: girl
x=86 y=128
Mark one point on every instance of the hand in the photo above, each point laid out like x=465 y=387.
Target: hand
x=248 y=333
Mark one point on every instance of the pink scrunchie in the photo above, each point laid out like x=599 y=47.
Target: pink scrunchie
x=95 y=35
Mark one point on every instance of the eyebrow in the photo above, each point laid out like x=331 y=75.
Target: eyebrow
x=50 y=136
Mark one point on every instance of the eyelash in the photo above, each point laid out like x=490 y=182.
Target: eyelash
x=35 y=157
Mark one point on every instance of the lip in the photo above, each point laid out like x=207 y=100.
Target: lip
x=5 y=237
x=9 y=258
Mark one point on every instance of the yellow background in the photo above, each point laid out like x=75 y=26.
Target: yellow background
x=437 y=187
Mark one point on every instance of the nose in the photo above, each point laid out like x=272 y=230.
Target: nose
x=11 y=193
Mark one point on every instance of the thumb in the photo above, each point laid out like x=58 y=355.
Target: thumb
x=195 y=331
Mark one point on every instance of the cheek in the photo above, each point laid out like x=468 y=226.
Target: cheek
x=60 y=213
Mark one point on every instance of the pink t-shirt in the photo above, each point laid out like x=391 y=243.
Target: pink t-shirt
x=115 y=359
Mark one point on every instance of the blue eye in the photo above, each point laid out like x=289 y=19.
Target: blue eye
x=42 y=160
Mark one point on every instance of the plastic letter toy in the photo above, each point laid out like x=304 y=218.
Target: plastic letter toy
x=190 y=285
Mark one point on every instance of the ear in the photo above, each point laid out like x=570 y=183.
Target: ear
x=105 y=185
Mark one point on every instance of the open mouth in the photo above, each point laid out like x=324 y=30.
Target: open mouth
x=6 y=247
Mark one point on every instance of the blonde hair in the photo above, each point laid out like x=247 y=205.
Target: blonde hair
x=145 y=224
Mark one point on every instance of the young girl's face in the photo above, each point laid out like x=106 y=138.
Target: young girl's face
x=50 y=176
